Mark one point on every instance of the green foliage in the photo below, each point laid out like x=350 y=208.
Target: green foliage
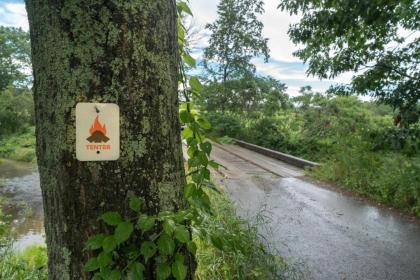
x=20 y=147
x=246 y=97
x=30 y=264
x=16 y=111
x=265 y=132
x=406 y=141
x=133 y=243
x=225 y=124
x=389 y=178
x=346 y=35
x=15 y=57
x=235 y=39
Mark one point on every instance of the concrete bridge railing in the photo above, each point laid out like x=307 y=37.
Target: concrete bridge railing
x=299 y=162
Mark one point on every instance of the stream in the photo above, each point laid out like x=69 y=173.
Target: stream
x=19 y=186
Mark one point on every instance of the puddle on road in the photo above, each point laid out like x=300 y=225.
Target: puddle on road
x=19 y=185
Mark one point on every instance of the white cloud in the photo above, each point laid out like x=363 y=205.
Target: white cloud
x=276 y=24
x=16 y=8
x=282 y=65
x=13 y=14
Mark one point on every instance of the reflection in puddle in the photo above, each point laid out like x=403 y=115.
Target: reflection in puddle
x=19 y=184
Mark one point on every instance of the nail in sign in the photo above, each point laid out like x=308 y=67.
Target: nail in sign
x=97 y=131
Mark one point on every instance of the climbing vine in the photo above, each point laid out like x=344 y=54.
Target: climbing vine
x=163 y=239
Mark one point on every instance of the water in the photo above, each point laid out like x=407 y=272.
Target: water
x=19 y=184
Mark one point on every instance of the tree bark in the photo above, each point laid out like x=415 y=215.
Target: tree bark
x=123 y=52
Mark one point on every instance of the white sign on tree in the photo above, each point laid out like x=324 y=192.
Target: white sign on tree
x=97 y=131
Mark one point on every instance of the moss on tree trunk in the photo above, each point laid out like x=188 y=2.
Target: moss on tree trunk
x=124 y=52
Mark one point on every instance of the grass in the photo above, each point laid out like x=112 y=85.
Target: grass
x=234 y=249
x=30 y=264
x=389 y=178
x=20 y=147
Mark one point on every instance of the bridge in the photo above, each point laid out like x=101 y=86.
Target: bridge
x=335 y=234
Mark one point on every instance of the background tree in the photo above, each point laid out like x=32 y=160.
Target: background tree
x=246 y=97
x=15 y=57
x=236 y=38
x=379 y=40
x=122 y=52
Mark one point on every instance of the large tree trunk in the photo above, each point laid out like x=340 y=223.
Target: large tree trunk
x=120 y=51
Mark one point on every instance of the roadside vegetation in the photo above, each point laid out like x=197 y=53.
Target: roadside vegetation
x=237 y=250
x=356 y=142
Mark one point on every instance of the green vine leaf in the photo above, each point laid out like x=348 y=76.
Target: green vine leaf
x=148 y=249
x=186 y=117
x=182 y=216
x=188 y=59
x=146 y=223
x=104 y=259
x=111 y=218
x=169 y=227
x=163 y=271
x=92 y=265
x=166 y=244
x=95 y=242
x=123 y=232
x=204 y=123
x=182 y=234
x=114 y=275
x=179 y=270
x=135 y=271
x=183 y=7
x=206 y=173
x=195 y=85
x=135 y=204
x=190 y=190
x=206 y=147
x=214 y=164
x=109 y=244
x=187 y=133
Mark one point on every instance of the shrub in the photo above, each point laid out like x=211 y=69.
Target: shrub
x=402 y=140
x=16 y=111
x=389 y=178
x=224 y=125
x=19 y=147
x=266 y=132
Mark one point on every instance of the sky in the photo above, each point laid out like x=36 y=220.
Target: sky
x=282 y=65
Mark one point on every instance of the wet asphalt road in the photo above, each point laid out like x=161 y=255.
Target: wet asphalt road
x=335 y=236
